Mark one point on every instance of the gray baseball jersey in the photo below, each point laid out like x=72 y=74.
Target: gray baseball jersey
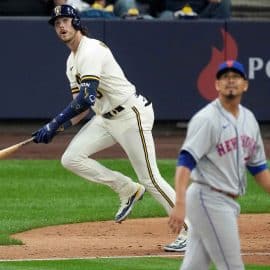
x=218 y=141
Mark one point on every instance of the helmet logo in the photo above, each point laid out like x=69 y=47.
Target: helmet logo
x=66 y=11
x=57 y=10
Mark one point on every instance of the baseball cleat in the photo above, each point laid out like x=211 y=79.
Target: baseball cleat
x=128 y=203
x=179 y=244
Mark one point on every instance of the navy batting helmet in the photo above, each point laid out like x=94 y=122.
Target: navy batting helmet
x=66 y=11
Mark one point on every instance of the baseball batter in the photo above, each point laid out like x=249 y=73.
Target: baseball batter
x=223 y=139
x=121 y=116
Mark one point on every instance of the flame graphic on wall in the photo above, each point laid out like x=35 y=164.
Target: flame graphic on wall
x=206 y=80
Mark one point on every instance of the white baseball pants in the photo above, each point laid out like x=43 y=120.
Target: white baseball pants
x=132 y=129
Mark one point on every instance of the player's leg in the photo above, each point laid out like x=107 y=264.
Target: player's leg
x=135 y=136
x=196 y=256
x=93 y=137
x=223 y=243
x=133 y=131
x=213 y=215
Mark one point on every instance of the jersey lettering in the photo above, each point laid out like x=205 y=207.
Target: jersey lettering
x=85 y=84
x=247 y=143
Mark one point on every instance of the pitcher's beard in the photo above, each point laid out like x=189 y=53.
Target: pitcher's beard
x=231 y=95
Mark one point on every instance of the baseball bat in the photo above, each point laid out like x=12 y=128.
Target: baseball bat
x=9 y=150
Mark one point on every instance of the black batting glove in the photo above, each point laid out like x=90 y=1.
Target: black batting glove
x=46 y=133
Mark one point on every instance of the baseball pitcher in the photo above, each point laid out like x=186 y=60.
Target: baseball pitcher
x=223 y=140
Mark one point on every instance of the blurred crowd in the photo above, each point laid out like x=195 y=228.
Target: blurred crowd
x=127 y=9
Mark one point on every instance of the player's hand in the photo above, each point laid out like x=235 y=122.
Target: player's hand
x=46 y=133
x=176 y=219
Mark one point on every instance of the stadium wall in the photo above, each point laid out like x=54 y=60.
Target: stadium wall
x=171 y=62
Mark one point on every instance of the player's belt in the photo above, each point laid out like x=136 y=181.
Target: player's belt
x=113 y=112
x=118 y=109
x=233 y=196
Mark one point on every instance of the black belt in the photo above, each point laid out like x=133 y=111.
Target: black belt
x=113 y=112
x=233 y=196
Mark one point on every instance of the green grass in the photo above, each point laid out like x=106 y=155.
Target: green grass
x=256 y=199
x=101 y=264
x=38 y=193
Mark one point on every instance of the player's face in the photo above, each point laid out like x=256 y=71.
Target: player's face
x=64 y=29
x=231 y=85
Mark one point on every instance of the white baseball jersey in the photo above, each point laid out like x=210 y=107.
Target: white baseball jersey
x=131 y=127
x=93 y=59
x=218 y=141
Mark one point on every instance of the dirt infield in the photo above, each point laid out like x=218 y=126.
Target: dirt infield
x=137 y=237
x=132 y=237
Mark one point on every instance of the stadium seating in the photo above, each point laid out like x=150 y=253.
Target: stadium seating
x=251 y=9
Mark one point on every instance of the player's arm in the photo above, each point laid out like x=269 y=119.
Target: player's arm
x=262 y=176
x=75 y=120
x=186 y=163
x=81 y=103
x=260 y=172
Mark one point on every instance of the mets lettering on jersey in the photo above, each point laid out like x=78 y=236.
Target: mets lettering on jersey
x=247 y=143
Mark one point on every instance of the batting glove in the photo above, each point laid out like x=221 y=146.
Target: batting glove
x=46 y=133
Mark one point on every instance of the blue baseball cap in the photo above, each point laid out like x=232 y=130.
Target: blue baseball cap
x=231 y=65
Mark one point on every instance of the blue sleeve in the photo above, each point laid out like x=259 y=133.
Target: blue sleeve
x=186 y=159
x=257 y=169
x=85 y=99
